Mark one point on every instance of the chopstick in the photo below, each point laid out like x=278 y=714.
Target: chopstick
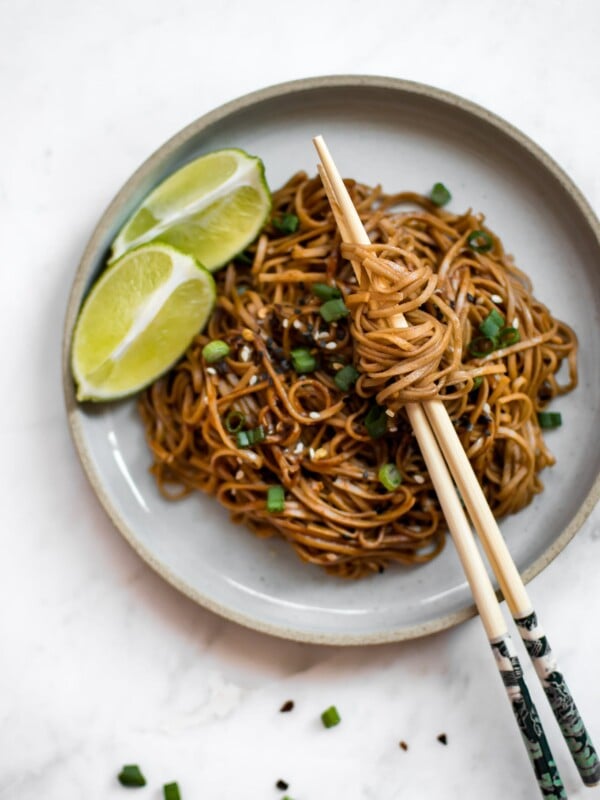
x=352 y=230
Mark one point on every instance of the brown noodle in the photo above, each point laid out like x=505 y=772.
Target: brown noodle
x=337 y=513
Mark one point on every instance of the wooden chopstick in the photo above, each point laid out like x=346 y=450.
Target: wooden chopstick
x=548 y=778
x=497 y=552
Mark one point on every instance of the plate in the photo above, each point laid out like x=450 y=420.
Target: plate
x=403 y=135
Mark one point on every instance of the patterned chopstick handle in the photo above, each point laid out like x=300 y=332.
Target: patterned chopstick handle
x=538 y=749
x=560 y=699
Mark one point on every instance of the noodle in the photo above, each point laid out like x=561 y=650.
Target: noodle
x=337 y=514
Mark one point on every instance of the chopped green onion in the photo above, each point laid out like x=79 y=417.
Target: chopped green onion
x=346 y=377
x=303 y=360
x=275 y=499
x=287 y=223
x=334 y=309
x=171 y=791
x=440 y=195
x=130 y=775
x=549 y=419
x=325 y=292
x=483 y=346
x=234 y=421
x=331 y=717
x=214 y=351
x=390 y=477
x=376 y=421
x=480 y=241
x=477 y=381
x=248 y=438
x=492 y=324
x=508 y=336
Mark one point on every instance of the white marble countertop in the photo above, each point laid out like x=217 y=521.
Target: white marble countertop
x=101 y=662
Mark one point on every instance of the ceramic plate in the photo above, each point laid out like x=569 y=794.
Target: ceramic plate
x=402 y=135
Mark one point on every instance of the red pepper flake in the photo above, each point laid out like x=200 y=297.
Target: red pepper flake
x=442 y=738
x=287 y=706
x=403 y=746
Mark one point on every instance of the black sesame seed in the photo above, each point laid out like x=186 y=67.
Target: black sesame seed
x=442 y=738
x=287 y=706
x=403 y=746
x=282 y=785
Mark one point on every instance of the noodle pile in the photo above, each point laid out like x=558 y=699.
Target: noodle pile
x=317 y=441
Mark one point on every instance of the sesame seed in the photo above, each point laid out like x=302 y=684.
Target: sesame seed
x=314 y=415
x=418 y=479
x=211 y=370
x=253 y=380
x=239 y=475
x=487 y=409
x=285 y=323
x=297 y=324
x=495 y=298
x=245 y=353
x=515 y=322
x=299 y=448
x=330 y=346
x=390 y=413
x=311 y=452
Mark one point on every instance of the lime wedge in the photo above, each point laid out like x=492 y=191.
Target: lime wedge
x=137 y=321
x=211 y=208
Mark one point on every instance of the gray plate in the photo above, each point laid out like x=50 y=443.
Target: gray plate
x=403 y=135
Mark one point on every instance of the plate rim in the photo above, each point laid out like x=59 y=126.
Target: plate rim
x=83 y=274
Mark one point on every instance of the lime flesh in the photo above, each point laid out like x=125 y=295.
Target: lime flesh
x=138 y=319
x=211 y=208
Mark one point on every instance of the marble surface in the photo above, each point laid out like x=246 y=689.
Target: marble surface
x=102 y=663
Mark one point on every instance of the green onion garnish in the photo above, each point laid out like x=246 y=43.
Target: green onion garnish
x=288 y=223
x=549 y=419
x=492 y=324
x=130 y=775
x=325 y=292
x=248 y=438
x=477 y=381
x=214 y=351
x=171 y=791
x=376 y=421
x=275 y=499
x=334 y=309
x=234 y=421
x=303 y=360
x=390 y=477
x=439 y=195
x=508 y=336
x=482 y=346
x=330 y=717
x=480 y=241
x=346 y=377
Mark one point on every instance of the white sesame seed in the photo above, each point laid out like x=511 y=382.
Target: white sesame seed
x=389 y=412
x=239 y=475
x=515 y=322
x=253 y=380
x=486 y=407
x=418 y=479
x=314 y=415
x=393 y=429
x=311 y=452
x=211 y=370
x=330 y=346
x=245 y=353
x=285 y=323
x=495 y=298
x=299 y=448
x=296 y=324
